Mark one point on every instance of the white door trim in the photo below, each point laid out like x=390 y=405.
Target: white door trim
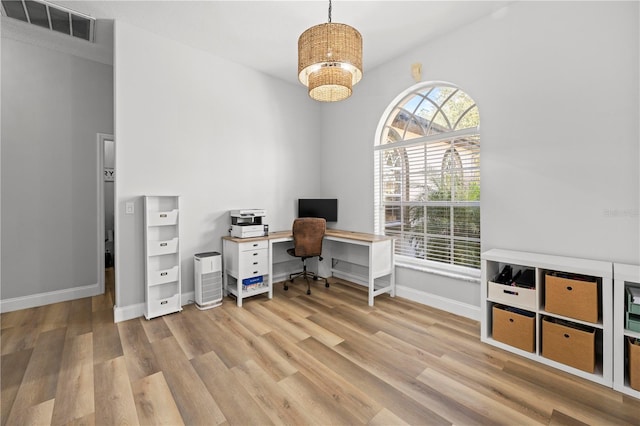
x=101 y=138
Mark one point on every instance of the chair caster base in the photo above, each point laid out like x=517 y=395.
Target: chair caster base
x=308 y=291
x=326 y=284
x=286 y=287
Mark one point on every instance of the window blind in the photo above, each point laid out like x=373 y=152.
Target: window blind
x=428 y=187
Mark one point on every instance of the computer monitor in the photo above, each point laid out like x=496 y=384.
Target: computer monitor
x=326 y=208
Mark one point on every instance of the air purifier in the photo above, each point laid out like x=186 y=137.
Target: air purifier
x=208 y=279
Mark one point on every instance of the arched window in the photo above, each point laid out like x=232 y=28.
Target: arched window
x=427 y=175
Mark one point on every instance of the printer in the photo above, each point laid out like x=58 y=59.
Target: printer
x=247 y=223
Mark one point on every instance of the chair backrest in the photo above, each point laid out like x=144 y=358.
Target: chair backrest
x=308 y=233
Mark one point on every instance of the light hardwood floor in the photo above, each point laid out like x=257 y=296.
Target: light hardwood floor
x=324 y=359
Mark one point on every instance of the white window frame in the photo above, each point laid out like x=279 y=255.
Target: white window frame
x=440 y=268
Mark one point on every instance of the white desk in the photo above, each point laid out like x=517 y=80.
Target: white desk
x=373 y=252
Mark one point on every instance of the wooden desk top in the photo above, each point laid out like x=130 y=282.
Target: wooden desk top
x=360 y=236
x=335 y=233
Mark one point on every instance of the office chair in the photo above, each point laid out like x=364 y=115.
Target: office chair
x=308 y=233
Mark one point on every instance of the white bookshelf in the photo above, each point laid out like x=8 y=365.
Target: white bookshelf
x=533 y=301
x=163 y=290
x=624 y=276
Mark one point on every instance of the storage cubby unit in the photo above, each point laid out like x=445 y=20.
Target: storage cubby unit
x=626 y=323
x=163 y=291
x=552 y=309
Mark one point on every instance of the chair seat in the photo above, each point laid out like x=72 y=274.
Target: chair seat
x=292 y=252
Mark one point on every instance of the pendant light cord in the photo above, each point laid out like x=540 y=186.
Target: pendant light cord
x=329 y=11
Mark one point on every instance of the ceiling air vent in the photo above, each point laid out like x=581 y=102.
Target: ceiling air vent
x=47 y=15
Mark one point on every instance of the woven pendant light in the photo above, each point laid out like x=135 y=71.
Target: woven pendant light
x=330 y=60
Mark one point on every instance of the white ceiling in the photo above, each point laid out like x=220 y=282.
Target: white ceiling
x=264 y=34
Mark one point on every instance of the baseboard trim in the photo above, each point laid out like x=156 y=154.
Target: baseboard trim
x=137 y=310
x=433 y=300
x=40 y=299
x=126 y=313
x=449 y=305
x=453 y=306
x=353 y=278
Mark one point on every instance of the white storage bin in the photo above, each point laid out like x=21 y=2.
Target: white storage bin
x=163 y=218
x=164 y=306
x=163 y=276
x=157 y=248
x=512 y=295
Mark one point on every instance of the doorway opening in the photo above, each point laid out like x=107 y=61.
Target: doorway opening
x=106 y=222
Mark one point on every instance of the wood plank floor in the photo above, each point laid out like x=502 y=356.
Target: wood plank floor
x=324 y=359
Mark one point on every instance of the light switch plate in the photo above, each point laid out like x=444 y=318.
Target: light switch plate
x=128 y=207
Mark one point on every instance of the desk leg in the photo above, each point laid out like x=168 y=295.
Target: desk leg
x=225 y=283
x=371 y=279
x=392 y=278
x=270 y=270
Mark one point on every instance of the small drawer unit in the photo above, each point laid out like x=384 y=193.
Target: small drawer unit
x=254 y=262
x=246 y=267
x=572 y=296
x=515 y=327
x=569 y=343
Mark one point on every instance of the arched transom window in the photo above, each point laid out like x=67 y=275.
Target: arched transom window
x=427 y=175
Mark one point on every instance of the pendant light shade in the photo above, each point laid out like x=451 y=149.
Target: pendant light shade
x=330 y=60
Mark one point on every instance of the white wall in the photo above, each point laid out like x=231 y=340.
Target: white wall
x=53 y=105
x=557 y=88
x=220 y=135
